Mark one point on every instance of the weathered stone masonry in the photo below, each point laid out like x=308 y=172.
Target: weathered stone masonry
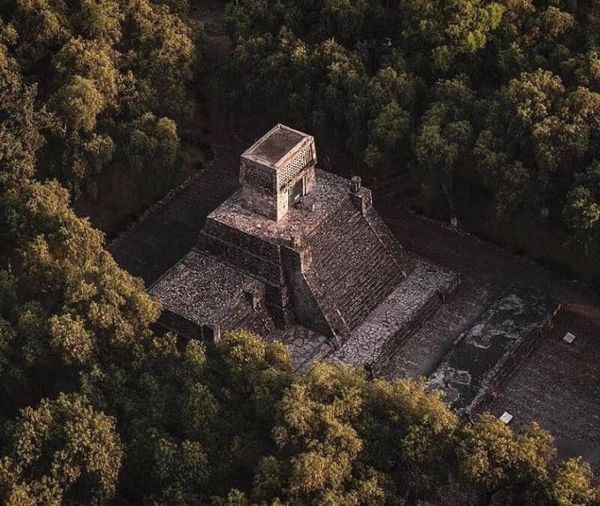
x=300 y=255
x=297 y=247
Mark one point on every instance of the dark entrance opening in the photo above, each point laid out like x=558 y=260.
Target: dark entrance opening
x=208 y=333
x=296 y=192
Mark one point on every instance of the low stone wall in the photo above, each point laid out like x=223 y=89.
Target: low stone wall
x=510 y=366
x=154 y=208
x=184 y=328
x=486 y=355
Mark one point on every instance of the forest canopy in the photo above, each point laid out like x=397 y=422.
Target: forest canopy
x=97 y=406
x=97 y=68
x=501 y=97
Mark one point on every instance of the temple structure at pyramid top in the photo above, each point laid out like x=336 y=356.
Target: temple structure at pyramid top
x=277 y=171
x=300 y=255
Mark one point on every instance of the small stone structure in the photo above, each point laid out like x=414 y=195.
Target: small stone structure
x=300 y=255
x=277 y=171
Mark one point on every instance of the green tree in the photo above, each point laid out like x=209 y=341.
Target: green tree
x=448 y=29
x=100 y=65
x=573 y=484
x=318 y=446
x=195 y=420
x=410 y=434
x=499 y=95
x=582 y=208
x=69 y=304
x=60 y=452
x=445 y=138
x=153 y=147
x=20 y=135
x=498 y=461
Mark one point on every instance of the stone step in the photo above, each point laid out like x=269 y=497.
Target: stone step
x=396 y=318
x=357 y=270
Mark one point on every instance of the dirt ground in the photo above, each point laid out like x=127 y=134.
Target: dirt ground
x=122 y=197
x=558 y=386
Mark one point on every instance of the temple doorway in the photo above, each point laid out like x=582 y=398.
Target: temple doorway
x=296 y=192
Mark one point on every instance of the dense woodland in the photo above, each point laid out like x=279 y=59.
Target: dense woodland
x=501 y=97
x=96 y=406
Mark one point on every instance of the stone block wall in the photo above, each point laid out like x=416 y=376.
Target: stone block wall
x=250 y=254
x=265 y=190
x=172 y=322
x=258 y=175
x=362 y=199
x=279 y=303
x=259 y=258
x=259 y=201
x=307 y=176
x=307 y=310
x=265 y=249
x=249 y=311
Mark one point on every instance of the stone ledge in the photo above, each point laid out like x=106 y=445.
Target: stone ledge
x=372 y=341
x=486 y=353
x=204 y=290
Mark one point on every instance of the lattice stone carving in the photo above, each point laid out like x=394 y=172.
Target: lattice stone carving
x=301 y=160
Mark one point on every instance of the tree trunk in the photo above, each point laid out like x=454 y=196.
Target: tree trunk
x=453 y=219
